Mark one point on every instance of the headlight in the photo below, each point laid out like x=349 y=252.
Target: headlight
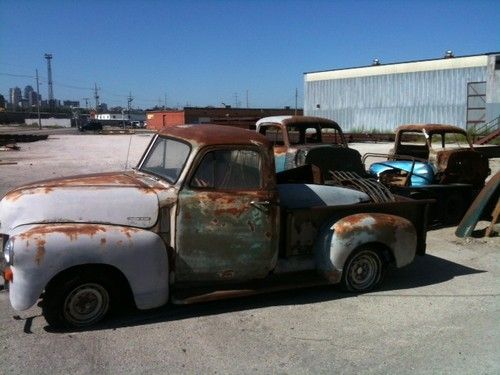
x=8 y=251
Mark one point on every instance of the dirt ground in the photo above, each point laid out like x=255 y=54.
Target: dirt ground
x=438 y=315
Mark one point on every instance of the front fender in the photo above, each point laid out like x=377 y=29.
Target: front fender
x=340 y=239
x=43 y=251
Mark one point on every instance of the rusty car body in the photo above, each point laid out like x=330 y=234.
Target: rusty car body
x=302 y=140
x=201 y=217
x=433 y=161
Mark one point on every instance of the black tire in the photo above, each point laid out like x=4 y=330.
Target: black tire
x=364 y=270
x=78 y=300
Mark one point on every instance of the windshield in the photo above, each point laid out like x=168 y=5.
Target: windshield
x=166 y=159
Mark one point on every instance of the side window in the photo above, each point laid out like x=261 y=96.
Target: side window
x=228 y=170
x=312 y=135
x=295 y=136
x=273 y=134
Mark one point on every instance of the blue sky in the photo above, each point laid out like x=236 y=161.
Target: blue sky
x=205 y=52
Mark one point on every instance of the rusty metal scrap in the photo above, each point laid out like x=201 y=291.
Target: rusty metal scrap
x=375 y=190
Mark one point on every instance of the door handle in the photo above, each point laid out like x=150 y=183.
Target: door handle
x=261 y=205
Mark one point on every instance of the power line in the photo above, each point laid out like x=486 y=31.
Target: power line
x=45 y=80
x=17 y=75
x=72 y=87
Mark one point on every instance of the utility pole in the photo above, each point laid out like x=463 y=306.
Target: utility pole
x=129 y=105
x=247 y=98
x=236 y=100
x=86 y=103
x=296 y=100
x=96 y=97
x=38 y=101
x=165 y=101
x=48 y=57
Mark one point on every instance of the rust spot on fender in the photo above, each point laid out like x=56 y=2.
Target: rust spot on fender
x=40 y=251
x=14 y=195
x=350 y=223
x=385 y=226
x=71 y=231
x=128 y=232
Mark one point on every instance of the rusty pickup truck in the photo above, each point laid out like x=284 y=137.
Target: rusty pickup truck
x=303 y=140
x=201 y=217
x=434 y=161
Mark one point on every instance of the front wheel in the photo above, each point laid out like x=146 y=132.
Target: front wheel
x=78 y=301
x=363 y=271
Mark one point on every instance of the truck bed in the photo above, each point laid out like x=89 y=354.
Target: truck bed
x=301 y=225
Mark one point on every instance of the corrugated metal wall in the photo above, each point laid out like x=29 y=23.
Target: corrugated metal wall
x=383 y=102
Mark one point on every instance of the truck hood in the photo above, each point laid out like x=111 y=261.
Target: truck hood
x=119 y=198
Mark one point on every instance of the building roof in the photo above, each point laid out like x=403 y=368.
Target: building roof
x=458 y=62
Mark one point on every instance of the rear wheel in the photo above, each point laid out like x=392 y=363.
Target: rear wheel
x=78 y=300
x=363 y=271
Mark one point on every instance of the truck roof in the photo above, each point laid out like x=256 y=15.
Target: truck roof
x=208 y=134
x=288 y=120
x=431 y=128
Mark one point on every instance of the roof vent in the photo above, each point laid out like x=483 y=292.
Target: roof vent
x=449 y=54
x=375 y=62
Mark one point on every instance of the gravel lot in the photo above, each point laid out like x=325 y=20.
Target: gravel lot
x=438 y=315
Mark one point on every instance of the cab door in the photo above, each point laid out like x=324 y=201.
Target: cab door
x=227 y=217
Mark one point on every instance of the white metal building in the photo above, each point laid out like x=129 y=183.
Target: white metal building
x=462 y=91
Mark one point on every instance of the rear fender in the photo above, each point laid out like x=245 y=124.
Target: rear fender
x=338 y=240
x=43 y=251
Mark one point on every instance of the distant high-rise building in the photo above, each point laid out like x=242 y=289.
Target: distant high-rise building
x=15 y=97
x=27 y=90
x=30 y=96
x=2 y=101
x=32 y=99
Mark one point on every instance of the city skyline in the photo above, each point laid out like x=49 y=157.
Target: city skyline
x=206 y=53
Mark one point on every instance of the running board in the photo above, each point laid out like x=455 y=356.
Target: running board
x=273 y=284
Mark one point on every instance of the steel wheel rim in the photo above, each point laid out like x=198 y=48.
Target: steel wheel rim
x=364 y=270
x=86 y=304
